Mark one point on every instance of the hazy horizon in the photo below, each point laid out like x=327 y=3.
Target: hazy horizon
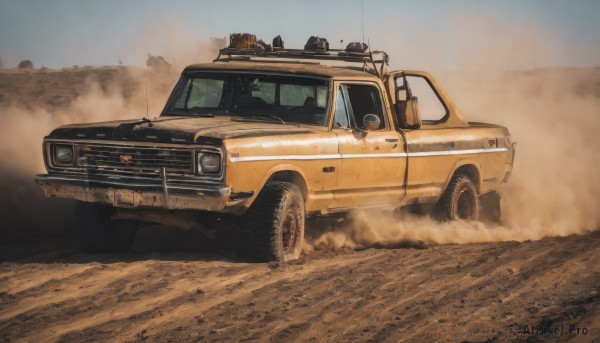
x=423 y=35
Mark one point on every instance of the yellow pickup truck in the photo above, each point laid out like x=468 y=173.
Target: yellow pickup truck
x=264 y=137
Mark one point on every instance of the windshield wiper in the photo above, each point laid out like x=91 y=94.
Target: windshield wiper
x=189 y=112
x=270 y=116
x=260 y=116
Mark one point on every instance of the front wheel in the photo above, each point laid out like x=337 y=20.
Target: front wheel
x=99 y=233
x=275 y=224
x=460 y=201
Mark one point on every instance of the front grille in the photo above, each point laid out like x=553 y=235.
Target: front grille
x=143 y=160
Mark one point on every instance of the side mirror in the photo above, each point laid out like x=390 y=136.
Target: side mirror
x=409 y=115
x=407 y=105
x=414 y=120
x=371 y=122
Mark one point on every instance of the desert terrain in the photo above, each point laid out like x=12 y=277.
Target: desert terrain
x=376 y=279
x=448 y=293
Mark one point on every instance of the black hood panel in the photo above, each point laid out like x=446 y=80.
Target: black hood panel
x=175 y=130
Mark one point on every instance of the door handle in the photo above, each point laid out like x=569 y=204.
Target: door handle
x=391 y=140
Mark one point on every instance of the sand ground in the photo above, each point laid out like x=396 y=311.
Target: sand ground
x=49 y=291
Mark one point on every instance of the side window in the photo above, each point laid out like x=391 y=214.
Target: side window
x=341 y=114
x=430 y=106
x=365 y=100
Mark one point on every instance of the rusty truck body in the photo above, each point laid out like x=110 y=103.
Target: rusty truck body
x=265 y=141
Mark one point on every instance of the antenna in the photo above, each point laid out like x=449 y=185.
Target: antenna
x=362 y=19
x=146 y=89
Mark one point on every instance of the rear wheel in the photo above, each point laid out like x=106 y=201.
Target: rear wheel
x=460 y=201
x=275 y=224
x=99 y=233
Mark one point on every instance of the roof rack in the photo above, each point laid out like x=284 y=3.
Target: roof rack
x=368 y=57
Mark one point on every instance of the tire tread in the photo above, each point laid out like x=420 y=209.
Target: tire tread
x=261 y=219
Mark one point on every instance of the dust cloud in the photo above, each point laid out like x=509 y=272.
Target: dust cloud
x=31 y=111
x=553 y=190
x=29 y=115
x=34 y=102
x=503 y=75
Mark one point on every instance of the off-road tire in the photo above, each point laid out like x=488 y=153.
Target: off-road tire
x=275 y=224
x=100 y=234
x=460 y=201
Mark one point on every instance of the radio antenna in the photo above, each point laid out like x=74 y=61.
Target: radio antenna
x=362 y=19
x=146 y=89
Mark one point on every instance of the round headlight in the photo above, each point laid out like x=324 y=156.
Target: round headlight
x=209 y=163
x=63 y=154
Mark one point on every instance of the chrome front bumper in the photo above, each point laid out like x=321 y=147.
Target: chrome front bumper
x=123 y=194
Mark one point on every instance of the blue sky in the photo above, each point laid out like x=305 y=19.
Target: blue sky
x=444 y=34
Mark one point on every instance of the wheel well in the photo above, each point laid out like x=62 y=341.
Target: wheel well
x=472 y=172
x=291 y=177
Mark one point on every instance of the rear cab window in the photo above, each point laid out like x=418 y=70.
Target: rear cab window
x=431 y=107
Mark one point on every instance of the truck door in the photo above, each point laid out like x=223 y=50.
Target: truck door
x=434 y=137
x=373 y=160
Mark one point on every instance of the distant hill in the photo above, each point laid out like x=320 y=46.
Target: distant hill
x=55 y=89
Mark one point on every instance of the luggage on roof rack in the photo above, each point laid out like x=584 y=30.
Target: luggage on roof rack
x=244 y=47
x=316 y=43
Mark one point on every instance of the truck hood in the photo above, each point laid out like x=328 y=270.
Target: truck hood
x=177 y=129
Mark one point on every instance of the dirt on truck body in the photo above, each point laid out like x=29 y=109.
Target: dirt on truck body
x=258 y=141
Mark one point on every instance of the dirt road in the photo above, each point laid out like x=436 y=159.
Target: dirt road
x=473 y=292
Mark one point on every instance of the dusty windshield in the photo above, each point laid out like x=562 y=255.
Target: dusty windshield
x=282 y=98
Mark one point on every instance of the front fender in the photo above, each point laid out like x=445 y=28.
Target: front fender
x=275 y=169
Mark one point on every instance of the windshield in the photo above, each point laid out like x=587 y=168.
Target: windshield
x=288 y=98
